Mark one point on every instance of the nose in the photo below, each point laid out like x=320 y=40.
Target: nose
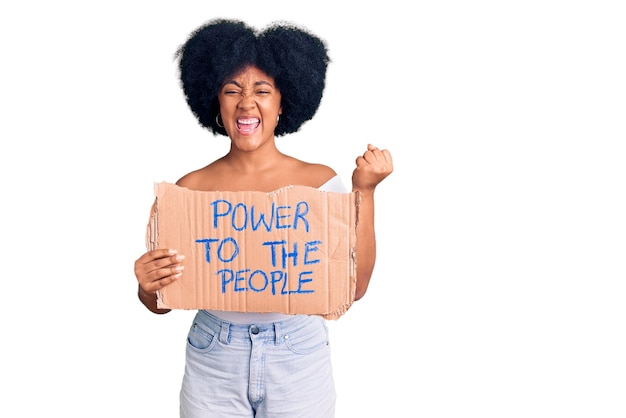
x=246 y=101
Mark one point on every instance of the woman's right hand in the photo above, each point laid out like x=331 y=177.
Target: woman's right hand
x=158 y=268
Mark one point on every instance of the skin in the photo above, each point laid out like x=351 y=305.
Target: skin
x=255 y=163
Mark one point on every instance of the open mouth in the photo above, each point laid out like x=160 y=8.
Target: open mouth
x=247 y=125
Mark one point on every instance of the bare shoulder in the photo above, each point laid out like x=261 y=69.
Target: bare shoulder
x=205 y=178
x=220 y=175
x=311 y=174
x=190 y=179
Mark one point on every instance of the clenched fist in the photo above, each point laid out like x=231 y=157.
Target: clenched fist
x=371 y=168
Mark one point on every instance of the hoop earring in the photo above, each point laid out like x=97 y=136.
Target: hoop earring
x=217 y=120
x=277 y=119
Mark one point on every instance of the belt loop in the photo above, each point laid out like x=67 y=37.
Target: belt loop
x=224 y=332
x=276 y=333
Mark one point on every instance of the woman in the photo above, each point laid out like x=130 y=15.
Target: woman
x=253 y=87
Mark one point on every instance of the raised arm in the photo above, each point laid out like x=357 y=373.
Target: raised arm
x=371 y=168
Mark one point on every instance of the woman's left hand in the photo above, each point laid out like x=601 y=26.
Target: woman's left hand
x=371 y=168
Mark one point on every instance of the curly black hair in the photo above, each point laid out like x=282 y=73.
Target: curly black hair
x=292 y=55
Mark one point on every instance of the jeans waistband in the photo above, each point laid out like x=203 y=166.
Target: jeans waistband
x=269 y=331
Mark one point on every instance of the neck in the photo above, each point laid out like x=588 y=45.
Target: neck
x=257 y=160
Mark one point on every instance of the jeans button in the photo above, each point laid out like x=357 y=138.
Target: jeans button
x=254 y=329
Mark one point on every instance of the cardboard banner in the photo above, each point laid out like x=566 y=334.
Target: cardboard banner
x=292 y=250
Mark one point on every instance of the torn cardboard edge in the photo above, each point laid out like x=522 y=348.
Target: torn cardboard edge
x=292 y=250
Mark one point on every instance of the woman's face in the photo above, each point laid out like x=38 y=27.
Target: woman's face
x=249 y=107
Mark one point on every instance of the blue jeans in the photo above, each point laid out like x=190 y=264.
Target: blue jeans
x=280 y=369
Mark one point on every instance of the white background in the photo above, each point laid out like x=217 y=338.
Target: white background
x=499 y=287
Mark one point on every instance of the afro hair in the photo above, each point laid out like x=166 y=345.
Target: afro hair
x=294 y=57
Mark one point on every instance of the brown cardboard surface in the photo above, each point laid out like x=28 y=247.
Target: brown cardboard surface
x=300 y=259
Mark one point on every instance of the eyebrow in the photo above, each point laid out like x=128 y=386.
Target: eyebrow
x=257 y=83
